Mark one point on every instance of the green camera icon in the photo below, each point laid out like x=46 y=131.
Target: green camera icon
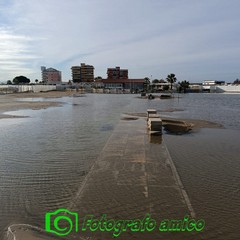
x=61 y=222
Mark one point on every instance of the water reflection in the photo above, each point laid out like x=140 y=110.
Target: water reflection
x=155 y=137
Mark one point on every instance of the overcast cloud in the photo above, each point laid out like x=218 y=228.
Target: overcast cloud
x=194 y=39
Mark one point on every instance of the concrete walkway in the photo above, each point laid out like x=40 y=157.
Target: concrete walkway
x=133 y=176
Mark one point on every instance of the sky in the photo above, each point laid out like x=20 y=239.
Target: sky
x=194 y=39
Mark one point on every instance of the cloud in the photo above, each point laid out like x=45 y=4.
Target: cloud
x=148 y=37
x=15 y=54
x=17 y=46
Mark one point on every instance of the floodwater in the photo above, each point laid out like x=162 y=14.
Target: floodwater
x=44 y=158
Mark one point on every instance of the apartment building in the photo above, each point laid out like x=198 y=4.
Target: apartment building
x=117 y=73
x=118 y=79
x=83 y=73
x=76 y=74
x=51 y=75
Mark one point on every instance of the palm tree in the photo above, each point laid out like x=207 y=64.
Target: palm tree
x=237 y=81
x=184 y=85
x=146 y=83
x=98 y=78
x=171 y=78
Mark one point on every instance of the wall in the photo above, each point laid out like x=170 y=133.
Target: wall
x=228 y=88
x=31 y=88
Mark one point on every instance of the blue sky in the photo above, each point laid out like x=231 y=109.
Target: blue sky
x=195 y=39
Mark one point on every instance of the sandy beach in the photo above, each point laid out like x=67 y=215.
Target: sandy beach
x=10 y=102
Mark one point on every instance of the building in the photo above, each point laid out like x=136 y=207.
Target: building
x=118 y=79
x=83 y=73
x=117 y=73
x=195 y=87
x=213 y=82
x=76 y=74
x=51 y=75
x=161 y=85
x=122 y=84
x=210 y=85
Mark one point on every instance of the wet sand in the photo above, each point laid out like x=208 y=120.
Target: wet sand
x=9 y=102
x=25 y=232
x=50 y=94
x=195 y=123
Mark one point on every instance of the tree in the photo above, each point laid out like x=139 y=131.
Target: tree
x=21 y=80
x=237 y=81
x=162 y=81
x=9 y=82
x=171 y=78
x=183 y=85
x=36 y=81
x=146 y=83
x=98 y=78
x=155 y=81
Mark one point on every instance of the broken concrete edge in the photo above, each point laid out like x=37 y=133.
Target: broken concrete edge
x=155 y=123
x=179 y=183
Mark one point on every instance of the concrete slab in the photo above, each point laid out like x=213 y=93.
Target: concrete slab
x=151 y=111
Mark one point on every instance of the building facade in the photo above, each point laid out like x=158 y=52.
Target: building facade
x=117 y=73
x=118 y=79
x=210 y=85
x=83 y=73
x=76 y=74
x=130 y=84
x=51 y=75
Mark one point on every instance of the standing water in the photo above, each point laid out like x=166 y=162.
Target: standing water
x=44 y=158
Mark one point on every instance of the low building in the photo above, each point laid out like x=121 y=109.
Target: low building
x=160 y=86
x=195 y=87
x=213 y=82
x=51 y=75
x=210 y=85
x=121 y=84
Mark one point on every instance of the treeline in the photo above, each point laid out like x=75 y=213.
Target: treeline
x=19 y=80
